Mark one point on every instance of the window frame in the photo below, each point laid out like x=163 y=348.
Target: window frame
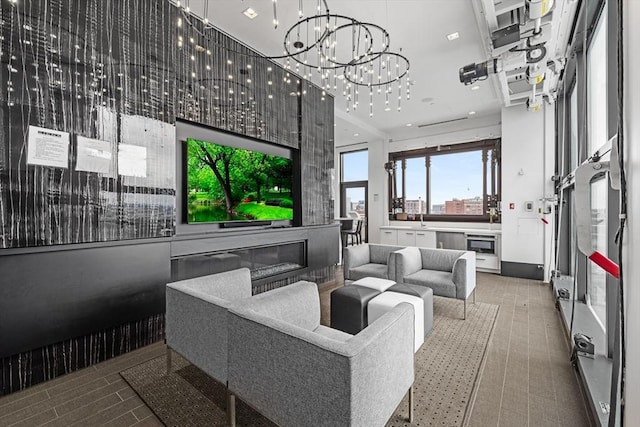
x=493 y=193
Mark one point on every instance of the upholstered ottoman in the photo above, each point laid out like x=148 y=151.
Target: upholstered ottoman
x=427 y=297
x=376 y=283
x=349 y=308
x=384 y=302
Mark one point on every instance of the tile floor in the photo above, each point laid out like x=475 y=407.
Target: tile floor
x=527 y=378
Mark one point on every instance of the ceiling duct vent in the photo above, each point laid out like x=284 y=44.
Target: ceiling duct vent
x=443 y=122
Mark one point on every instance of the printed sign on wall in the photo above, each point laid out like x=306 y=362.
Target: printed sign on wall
x=48 y=147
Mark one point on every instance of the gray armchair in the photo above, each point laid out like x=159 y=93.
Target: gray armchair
x=369 y=260
x=196 y=320
x=449 y=273
x=297 y=372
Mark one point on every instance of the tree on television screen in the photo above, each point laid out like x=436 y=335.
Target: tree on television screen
x=234 y=177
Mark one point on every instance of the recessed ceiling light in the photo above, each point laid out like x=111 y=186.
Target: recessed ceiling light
x=356 y=134
x=476 y=87
x=453 y=36
x=471 y=113
x=250 y=13
x=408 y=125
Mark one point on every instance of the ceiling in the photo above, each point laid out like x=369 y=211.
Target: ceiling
x=418 y=27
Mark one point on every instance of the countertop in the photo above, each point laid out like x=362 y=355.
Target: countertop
x=484 y=231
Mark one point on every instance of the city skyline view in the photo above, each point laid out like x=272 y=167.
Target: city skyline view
x=453 y=176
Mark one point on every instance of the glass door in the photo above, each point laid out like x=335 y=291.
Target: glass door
x=353 y=204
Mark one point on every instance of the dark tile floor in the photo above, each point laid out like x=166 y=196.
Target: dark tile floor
x=527 y=378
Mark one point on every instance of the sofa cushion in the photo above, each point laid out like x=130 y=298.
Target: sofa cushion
x=408 y=261
x=369 y=270
x=297 y=304
x=379 y=254
x=439 y=259
x=333 y=334
x=440 y=281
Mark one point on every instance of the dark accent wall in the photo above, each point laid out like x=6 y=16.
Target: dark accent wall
x=93 y=69
x=316 y=156
x=84 y=256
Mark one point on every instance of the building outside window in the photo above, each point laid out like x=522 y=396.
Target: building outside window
x=452 y=182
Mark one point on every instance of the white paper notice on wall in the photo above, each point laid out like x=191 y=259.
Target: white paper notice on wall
x=132 y=160
x=93 y=155
x=48 y=147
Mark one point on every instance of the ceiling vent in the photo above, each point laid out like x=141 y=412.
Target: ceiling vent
x=441 y=123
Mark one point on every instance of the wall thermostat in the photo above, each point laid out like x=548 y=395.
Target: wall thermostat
x=528 y=206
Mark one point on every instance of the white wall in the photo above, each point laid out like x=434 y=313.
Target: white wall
x=527 y=168
x=631 y=255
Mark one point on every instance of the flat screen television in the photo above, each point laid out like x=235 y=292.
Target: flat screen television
x=235 y=185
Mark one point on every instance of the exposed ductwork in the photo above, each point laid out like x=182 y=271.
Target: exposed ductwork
x=522 y=40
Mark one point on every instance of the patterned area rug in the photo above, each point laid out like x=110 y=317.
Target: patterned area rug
x=447 y=367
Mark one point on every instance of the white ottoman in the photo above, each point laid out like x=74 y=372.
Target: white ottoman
x=384 y=302
x=376 y=283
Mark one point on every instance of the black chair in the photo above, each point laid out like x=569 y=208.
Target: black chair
x=346 y=226
x=354 y=234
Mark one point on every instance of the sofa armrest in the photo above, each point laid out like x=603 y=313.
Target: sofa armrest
x=196 y=327
x=464 y=274
x=355 y=256
x=407 y=261
x=297 y=377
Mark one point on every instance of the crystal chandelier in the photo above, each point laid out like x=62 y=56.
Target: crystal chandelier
x=340 y=54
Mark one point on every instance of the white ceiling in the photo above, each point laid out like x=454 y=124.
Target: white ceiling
x=419 y=27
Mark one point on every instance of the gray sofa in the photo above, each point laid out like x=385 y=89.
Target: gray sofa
x=369 y=260
x=449 y=273
x=297 y=372
x=196 y=320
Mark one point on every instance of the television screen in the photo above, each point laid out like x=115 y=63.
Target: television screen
x=236 y=184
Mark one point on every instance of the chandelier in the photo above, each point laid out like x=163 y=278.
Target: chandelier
x=340 y=54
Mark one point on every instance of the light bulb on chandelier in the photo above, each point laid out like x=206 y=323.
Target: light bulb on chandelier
x=339 y=47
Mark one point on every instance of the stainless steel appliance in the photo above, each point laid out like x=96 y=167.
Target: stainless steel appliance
x=481 y=243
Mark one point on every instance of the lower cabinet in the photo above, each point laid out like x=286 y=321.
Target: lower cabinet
x=487 y=262
x=425 y=239
x=388 y=237
x=406 y=238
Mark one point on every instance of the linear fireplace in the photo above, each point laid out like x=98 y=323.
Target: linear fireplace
x=267 y=263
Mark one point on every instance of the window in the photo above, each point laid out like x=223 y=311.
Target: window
x=597 y=86
x=448 y=182
x=355 y=166
x=573 y=128
x=596 y=276
x=354 y=188
x=597 y=137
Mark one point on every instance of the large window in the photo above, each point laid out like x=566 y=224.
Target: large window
x=573 y=128
x=355 y=166
x=354 y=189
x=448 y=182
x=597 y=277
x=596 y=138
x=597 y=86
